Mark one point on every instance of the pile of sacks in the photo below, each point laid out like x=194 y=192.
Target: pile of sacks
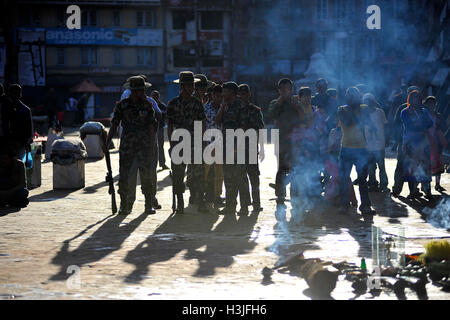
x=95 y=128
x=68 y=151
x=92 y=127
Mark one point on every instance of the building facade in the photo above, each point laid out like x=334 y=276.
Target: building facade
x=119 y=39
x=251 y=41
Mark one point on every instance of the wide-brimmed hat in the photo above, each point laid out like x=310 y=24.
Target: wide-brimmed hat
x=186 y=77
x=204 y=82
x=136 y=83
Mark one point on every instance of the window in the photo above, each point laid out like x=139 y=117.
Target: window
x=61 y=17
x=180 y=17
x=321 y=43
x=88 y=17
x=340 y=11
x=89 y=56
x=145 y=56
x=348 y=49
x=94 y=55
x=84 y=56
x=370 y=49
x=254 y=50
x=213 y=62
x=183 y=58
x=60 y=56
x=321 y=9
x=30 y=17
x=140 y=19
x=145 y=19
x=116 y=18
x=211 y=20
x=117 y=56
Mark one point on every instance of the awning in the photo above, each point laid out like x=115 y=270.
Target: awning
x=86 y=86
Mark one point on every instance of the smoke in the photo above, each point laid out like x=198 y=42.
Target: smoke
x=439 y=216
x=378 y=58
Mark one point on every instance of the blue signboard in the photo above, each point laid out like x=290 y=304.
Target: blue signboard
x=104 y=36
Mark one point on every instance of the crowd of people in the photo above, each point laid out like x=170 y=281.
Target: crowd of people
x=320 y=140
x=357 y=134
x=216 y=106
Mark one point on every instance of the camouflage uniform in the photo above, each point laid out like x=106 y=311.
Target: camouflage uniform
x=181 y=115
x=235 y=177
x=255 y=121
x=136 y=149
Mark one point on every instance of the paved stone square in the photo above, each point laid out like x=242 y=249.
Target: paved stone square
x=68 y=245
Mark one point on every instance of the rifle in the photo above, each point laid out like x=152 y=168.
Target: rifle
x=174 y=200
x=110 y=180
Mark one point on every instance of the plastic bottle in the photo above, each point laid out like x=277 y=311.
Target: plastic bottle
x=363 y=264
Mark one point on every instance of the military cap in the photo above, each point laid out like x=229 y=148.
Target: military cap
x=231 y=85
x=136 y=83
x=186 y=77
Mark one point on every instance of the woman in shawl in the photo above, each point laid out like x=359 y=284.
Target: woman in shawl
x=416 y=147
x=307 y=141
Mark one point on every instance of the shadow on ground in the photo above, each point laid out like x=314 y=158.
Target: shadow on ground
x=51 y=195
x=104 y=241
x=4 y=211
x=420 y=204
x=164 y=183
x=305 y=228
x=189 y=232
x=94 y=188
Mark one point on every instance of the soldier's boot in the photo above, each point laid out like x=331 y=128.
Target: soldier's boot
x=180 y=204
x=155 y=203
x=228 y=210
x=202 y=206
x=257 y=207
x=192 y=197
x=149 y=209
x=125 y=208
x=256 y=202
x=243 y=211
